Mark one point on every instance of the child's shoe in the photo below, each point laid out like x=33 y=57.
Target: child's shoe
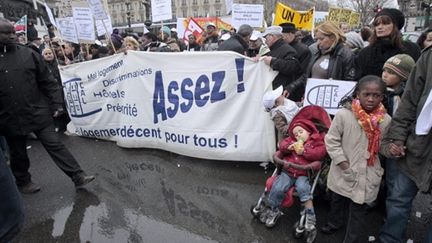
x=272 y=217
x=310 y=219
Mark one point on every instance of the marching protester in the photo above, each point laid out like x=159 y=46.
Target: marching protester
x=353 y=143
x=192 y=45
x=24 y=104
x=46 y=43
x=129 y=43
x=239 y=41
x=425 y=39
x=354 y=41
x=165 y=37
x=385 y=42
x=303 y=53
x=210 y=38
x=408 y=142
x=282 y=58
x=331 y=59
x=257 y=46
x=72 y=54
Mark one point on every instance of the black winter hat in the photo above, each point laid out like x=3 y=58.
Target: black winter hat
x=288 y=28
x=397 y=16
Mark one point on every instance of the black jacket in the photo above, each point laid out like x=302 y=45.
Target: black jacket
x=304 y=55
x=26 y=90
x=341 y=63
x=290 y=72
x=371 y=59
x=235 y=43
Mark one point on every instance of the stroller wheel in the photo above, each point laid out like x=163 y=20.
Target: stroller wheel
x=256 y=211
x=298 y=231
x=311 y=235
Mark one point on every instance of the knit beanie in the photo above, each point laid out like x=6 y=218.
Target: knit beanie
x=401 y=64
x=166 y=31
x=397 y=16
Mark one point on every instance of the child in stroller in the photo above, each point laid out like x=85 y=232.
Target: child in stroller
x=299 y=153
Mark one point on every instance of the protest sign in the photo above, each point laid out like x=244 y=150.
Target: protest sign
x=97 y=9
x=83 y=18
x=285 y=14
x=103 y=27
x=188 y=103
x=67 y=30
x=50 y=15
x=161 y=10
x=251 y=14
x=327 y=93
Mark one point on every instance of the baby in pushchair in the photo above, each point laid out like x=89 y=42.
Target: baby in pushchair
x=299 y=154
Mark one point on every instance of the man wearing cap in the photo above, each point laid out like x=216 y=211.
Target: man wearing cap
x=238 y=42
x=257 y=46
x=210 y=38
x=282 y=58
x=385 y=42
x=304 y=55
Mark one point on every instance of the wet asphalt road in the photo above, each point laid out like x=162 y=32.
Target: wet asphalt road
x=147 y=195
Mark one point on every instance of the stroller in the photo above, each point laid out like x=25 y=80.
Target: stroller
x=319 y=117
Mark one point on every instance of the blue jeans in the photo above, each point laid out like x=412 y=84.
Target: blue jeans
x=401 y=192
x=282 y=184
x=11 y=208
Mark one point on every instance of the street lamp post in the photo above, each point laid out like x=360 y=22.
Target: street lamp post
x=128 y=15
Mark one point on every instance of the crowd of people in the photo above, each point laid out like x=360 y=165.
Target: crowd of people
x=388 y=112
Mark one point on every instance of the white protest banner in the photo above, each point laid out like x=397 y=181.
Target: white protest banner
x=50 y=15
x=189 y=103
x=251 y=14
x=161 y=10
x=327 y=93
x=84 y=23
x=67 y=29
x=101 y=29
x=97 y=9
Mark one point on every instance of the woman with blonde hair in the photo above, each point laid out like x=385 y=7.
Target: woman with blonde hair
x=331 y=59
x=131 y=44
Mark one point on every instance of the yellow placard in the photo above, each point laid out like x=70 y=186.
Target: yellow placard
x=354 y=19
x=344 y=15
x=301 y=19
x=333 y=14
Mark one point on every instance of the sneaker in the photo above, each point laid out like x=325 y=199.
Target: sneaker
x=310 y=221
x=272 y=217
x=83 y=180
x=29 y=188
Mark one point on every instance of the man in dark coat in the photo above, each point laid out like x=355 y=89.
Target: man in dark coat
x=26 y=92
x=282 y=58
x=304 y=55
x=238 y=42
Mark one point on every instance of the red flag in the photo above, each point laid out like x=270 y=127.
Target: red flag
x=192 y=28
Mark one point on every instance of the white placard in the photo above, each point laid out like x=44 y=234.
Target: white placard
x=161 y=10
x=100 y=28
x=327 y=93
x=50 y=15
x=251 y=14
x=84 y=23
x=67 y=29
x=188 y=103
x=97 y=9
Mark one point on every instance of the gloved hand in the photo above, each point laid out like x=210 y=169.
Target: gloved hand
x=58 y=112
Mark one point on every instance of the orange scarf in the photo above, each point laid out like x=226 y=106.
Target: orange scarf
x=369 y=122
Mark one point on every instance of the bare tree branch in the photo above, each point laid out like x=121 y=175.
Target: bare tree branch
x=364 y=7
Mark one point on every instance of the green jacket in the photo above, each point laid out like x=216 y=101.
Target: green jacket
x=417 y=162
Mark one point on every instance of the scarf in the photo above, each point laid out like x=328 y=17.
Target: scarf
x=369 y=122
